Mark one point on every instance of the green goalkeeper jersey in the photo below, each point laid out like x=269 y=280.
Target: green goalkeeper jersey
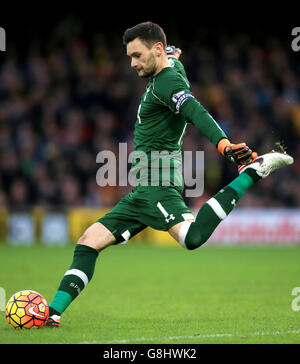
x=165 y=109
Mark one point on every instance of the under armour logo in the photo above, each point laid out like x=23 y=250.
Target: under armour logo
x=167 y=216
x=233 y=202
x=171 y=217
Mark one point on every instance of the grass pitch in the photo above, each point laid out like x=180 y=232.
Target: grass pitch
x=160 y=295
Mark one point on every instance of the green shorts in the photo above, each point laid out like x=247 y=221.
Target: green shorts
x=157 y=207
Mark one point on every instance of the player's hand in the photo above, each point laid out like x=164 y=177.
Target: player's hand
x=240 y=153
x=172 y=51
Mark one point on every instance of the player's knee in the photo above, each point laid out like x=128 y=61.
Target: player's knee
x=194 y=244
x=194 y=239
x=85 y=239
x=96 y=237
x=89 y=240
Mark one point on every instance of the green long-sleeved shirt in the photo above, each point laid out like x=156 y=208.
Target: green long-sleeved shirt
x=165 y=109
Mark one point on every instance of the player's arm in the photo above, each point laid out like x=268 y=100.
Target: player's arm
x=237 y=153
x=195 y=113
x=175 y=92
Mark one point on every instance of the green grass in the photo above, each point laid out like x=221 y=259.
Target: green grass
x=154 y=295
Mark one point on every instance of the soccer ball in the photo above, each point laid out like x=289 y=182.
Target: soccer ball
x=27 y=309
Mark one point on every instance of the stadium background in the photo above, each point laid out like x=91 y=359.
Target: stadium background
x=67 y=92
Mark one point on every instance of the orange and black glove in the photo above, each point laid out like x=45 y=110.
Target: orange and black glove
x=240 y=153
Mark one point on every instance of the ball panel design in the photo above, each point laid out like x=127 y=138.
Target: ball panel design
x=27 y=309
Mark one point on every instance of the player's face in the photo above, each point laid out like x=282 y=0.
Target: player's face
x=143 y=59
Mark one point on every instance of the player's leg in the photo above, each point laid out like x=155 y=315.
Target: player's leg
x=118 y=226
x=96 y=238
x=191 y=235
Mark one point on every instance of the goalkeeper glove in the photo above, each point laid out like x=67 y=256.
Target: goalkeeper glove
x=240 y=153
x=173 y=51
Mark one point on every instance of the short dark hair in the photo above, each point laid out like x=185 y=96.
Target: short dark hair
x=148 y=32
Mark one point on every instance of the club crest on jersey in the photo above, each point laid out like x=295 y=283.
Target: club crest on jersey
x=179 y=98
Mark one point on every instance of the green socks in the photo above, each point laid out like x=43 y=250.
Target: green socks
x=193 y=235
x=60 y=302
x=75 y=279
x=244 y=181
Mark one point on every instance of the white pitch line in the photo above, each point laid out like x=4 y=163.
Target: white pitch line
x=199 y=336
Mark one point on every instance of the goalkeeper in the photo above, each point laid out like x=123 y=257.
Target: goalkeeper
x=165 y=109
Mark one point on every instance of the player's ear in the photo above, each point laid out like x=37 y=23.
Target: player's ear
x=159 y=48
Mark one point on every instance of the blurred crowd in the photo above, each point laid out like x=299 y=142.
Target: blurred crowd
x=67 y=99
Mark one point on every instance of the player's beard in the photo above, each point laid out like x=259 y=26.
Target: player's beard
x=150 y=68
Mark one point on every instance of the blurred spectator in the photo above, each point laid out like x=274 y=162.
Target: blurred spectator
x=70 y=195
x=62 y=105
x=19 y=199
x=3 y=200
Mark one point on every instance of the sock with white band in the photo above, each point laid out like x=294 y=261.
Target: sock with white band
x=75 y=279
x=208 y=218
x=192 y=235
